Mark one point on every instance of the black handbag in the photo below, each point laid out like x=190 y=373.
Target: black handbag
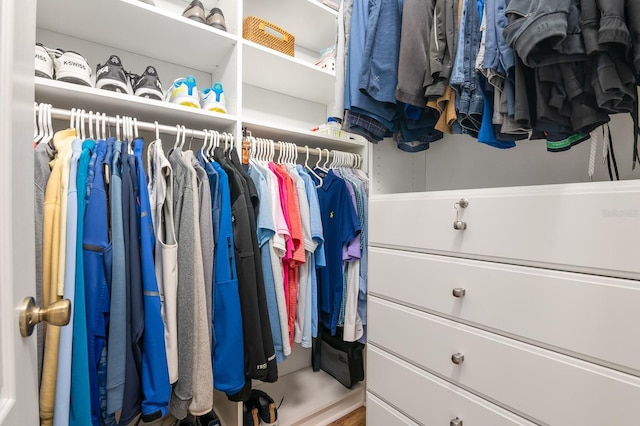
x=344 y=361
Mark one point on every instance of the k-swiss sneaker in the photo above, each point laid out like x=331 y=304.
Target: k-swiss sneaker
x=44 y=61
x=212 y=99
x=112 y=76
x=184 y=91
x=195 y=11
x=72 y=67
x=147 y=85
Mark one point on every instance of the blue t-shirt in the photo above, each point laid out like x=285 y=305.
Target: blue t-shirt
x=266 y=229
x=340 y=224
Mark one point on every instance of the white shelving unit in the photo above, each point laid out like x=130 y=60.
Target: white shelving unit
x=139 y=28
x=266 y=68
x=65 y=95
x=273 y=95
x=305 y=137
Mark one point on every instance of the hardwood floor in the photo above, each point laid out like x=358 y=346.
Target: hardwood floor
x=355 y=418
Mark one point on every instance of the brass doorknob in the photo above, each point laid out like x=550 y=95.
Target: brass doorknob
x=57 y=313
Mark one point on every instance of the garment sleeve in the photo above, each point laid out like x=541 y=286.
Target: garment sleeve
x=350 y=220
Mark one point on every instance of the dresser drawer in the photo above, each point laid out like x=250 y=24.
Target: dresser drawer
x=552 y=388
x=381 y=414
x=587 y=315
x=593 y=227
x=426 y=398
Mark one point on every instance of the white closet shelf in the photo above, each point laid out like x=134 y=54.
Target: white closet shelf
x=312 y=24
x=312 y=398
x=68 y=95
x=304 y=137
x=137 y=27
x=269 y=69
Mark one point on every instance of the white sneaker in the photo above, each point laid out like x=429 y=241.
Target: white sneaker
x=212 y=99
x=44 y=62
x=184 y=91
x=72 y=67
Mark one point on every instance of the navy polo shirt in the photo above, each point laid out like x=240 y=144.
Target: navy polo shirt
x=340 y=224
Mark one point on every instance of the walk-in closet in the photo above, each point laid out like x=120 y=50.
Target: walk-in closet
x=496 y=281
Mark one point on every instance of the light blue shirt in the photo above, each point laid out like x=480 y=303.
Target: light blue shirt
x=80 y=407
x=317 y=259
x=116 y=356
x=63 y=380
x=266 y=229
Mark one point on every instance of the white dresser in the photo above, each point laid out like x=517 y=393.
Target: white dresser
x=528 y=316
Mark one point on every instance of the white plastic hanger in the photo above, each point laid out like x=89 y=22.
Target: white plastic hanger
x=50 y=123
x=83 y=134
x=47 y=131
x=39 y=124
x=183 y=136
x=175 y=145
x=324 y=165
x=205 y=142
x=306 y=166
x=135 y=128
x=91 y=135
x=104 y=125
x=35 y=120
x=157 y=126
x=99 y=134
x=118 y=129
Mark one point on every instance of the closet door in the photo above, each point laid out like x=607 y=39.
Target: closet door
x=18 y=370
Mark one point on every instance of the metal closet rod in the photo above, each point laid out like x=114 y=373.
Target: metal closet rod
x=65 y=114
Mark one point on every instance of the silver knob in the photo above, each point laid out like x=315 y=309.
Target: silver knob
x=464 y=203
x=456 y=422
x=459 y=225
x=457 y=358
x=459 y=292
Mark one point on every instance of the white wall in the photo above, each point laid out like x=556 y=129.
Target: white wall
x=460 y=162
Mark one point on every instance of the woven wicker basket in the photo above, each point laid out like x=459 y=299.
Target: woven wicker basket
x=265 y=33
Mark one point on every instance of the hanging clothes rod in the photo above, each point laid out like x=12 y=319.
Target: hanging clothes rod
x=65 y=114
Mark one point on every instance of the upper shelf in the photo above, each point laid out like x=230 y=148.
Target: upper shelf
x=272 y=70
x=312 y=24
x=69 y=95
x=137 y=27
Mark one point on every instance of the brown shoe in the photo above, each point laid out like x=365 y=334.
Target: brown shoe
x=216 y=19
x=195 y=11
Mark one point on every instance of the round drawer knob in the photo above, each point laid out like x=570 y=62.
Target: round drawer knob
x=457 y=358
x=456 y=422
x=459 y=225
x=459 y=292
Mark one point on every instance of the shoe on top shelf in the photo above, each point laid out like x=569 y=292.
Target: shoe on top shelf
x=195 y=11
x=112 y=76
x=184 y=91
x=215 y=19
x=44 y=61
x=148 y=84
x=71 y=67
x=212 y=99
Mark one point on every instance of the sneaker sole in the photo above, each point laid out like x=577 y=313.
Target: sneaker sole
x=112 y=85
x=73 y=76
x=218 y=26
x=43 y=74
x=144 y=92
x=189 y=101
x=215 y=107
